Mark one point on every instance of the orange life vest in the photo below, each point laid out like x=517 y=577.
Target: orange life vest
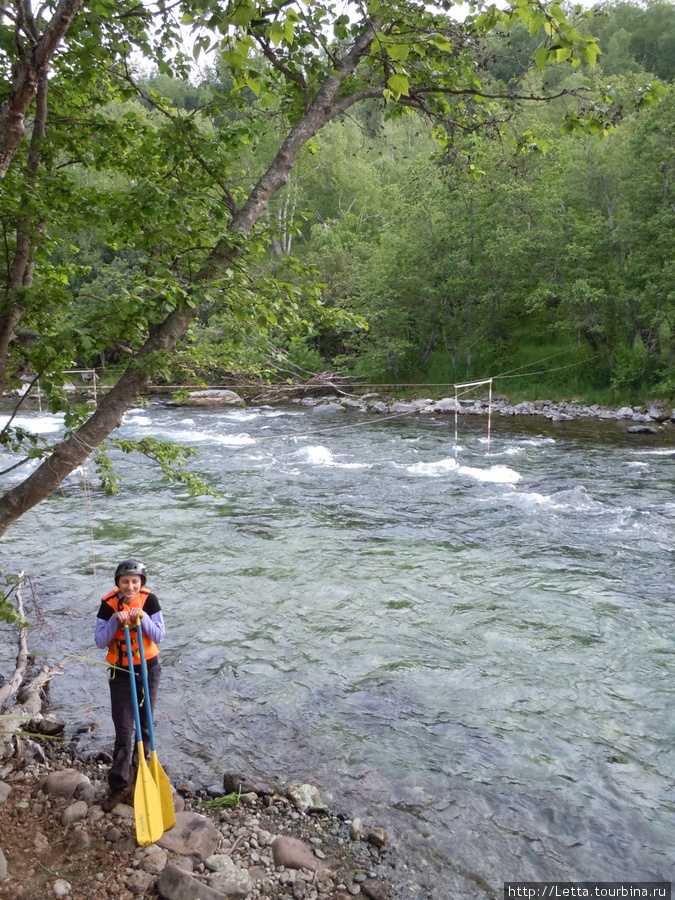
x=117 y=648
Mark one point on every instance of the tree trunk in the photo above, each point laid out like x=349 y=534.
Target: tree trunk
x=72 y=452
x=21 y=269
x=32 y=67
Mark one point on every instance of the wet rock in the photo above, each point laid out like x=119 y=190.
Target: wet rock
x=213 y=397
x=660 y=411
x=446 y=405
x=192 y=835
x=328 y=408
x=294 y=854
x=379 y=407
x=305 y=797
x=235 y=782
x=625 y=412
x=356 y=830
x=49 y=724
x=176 y=884
x=642 y=429
x=378 y=837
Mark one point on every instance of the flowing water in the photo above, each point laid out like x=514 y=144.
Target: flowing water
x=476 y=653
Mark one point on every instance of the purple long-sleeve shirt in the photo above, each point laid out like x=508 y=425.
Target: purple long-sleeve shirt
x=152 y=623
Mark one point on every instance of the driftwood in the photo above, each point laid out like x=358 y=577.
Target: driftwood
x=22 y=699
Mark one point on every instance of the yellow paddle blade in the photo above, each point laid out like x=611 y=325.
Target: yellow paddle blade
x=165 y=792
x=147 y=805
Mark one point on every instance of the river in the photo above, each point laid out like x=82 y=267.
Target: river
x=475 y=653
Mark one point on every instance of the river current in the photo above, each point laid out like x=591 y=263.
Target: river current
x=474 y=650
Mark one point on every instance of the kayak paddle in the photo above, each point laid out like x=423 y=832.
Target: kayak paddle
x=158 y=773
x=147 y=807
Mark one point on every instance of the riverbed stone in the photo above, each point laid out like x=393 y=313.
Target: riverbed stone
x=305 y=797
x=227 y=878
x=64 y=783
x=3 y=866
x=74 y=813
x=61 y=888
x=192 y=835
x=213 y=397
x=49 y=725
x=375 y=889
x=235 y=782
x=154 y=863
x=294 y=854
x=5 y=791
x=176 y=884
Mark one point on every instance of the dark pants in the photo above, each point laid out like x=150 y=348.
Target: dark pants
x=121 y=704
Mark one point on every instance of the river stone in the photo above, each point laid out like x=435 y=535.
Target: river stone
x=378 y=837
x=5 y=791
x=660 y=411
x=328 y=408
x=140 y=882
x=49 y=725
x=227 y=878
x=64 y=783
x=642 y=429
x=305 y=797
x=235 y=782
x=375 y=889
x=192 y=835
x=356 y=830
x=3 y=866
x=294 y=854
x=61 y=888
x=213 y=397
x=176 y=884
x=74 y=813
x=154 y=863
x=625 y=412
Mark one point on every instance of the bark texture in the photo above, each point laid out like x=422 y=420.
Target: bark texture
x=35 y=51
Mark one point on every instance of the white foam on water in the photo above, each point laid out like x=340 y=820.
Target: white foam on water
x=638 y=465
x=434 y=469
x=44 y=424
x=529 y=500
x=235 y=440
x=657 y=451
x=134 y=418
x=495 y=474
x=317 y=455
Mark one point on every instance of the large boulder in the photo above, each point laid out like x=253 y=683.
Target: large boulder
x=213 y=397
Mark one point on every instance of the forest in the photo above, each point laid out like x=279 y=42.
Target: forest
x=210 y=193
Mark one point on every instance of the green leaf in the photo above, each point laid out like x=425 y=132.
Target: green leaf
x=399 y=85
x=399 y=52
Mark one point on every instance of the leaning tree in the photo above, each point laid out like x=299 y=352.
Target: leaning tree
x=198 y=223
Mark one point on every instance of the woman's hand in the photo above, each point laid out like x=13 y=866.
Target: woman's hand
x=129 y=616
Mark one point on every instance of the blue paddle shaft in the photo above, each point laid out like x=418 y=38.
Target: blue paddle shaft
x=144 y=672
x=132 y=682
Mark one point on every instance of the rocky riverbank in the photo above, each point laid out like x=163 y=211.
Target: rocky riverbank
x=56 y=840
x=651 y=418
